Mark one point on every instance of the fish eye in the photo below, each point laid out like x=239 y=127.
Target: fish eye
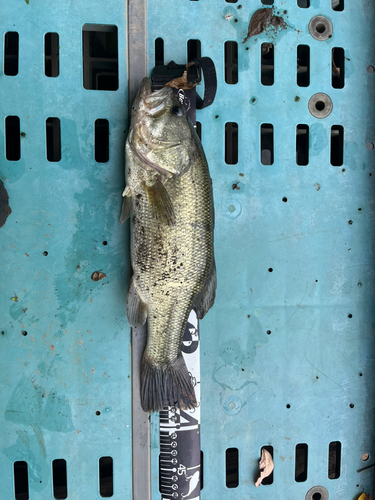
x=177 y=111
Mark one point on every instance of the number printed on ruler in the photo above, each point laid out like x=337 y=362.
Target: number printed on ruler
x=179 y=462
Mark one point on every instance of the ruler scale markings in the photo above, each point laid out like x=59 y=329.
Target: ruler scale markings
x=180 y=431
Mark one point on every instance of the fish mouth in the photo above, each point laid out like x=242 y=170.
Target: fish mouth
x=152 y=104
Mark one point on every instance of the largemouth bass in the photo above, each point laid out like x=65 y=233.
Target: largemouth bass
x=168 y=196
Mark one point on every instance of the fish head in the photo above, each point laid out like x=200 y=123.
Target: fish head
x=161 y=134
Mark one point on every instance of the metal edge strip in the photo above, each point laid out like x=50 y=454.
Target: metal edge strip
x=141 y=455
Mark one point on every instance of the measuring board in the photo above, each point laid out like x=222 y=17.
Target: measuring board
x=180 y=455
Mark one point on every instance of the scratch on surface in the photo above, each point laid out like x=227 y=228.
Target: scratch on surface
x=297 y=307
x=282 y=237
x=317 y=369
x=330 y=272
x=40 y=438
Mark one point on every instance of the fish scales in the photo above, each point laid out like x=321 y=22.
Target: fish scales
x=172 y=257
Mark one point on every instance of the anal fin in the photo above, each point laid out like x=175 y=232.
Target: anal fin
x=206 y=298
x=136 y=311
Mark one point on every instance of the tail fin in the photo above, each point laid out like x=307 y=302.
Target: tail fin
x=166 y=385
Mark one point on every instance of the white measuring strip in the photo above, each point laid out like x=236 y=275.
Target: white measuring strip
x=179 y=465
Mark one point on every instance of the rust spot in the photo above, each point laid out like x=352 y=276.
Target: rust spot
x=52 y=348
x=27 y=255
x=97 y=276
x=235 y=186
x=78 y=431
x=5 y=209
x=263 y=19
x=317 y=186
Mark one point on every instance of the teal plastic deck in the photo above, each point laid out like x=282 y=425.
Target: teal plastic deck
x=294 y=385
x=322 y=266
x=75 y=359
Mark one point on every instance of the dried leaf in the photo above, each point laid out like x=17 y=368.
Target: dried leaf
x=262 y=20
x=365 y=496
x=181 y=82
x=265 y=466
x=335 y=69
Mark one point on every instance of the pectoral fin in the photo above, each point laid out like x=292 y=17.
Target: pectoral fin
x=136 y=311
x=126 y=205
x=204 y=301
x=160 y=203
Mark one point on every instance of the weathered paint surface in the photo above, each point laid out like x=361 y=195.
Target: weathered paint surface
x=64 y=339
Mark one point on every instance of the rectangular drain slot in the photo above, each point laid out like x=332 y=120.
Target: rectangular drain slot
x=100 y=57
x=334 y=460
x=338 y=68
x=231 y=143
x=231 y=62
x=267 y=64
x=300 y=474
x=268 y=480
x=303 y=4
x=12 y=138
x=106 y=477
x=199 y=130
x=337 y=5
x=159 y=52
x=303 y=65
x=266 y=144
x=231 y=467
x=193 y=49
x=11 y=49
x=21 y=481
x=53 y=136
x=337 y=145
x=201 y=471
x=60 y=486
x=101 y=140
x=302 y=144
x=51 y=55
x=267 y=2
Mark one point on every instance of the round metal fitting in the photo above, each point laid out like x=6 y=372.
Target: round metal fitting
x=320 y=28
x=320 y=105
x=317 y=493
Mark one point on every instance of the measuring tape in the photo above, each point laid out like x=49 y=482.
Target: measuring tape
x=180 y=451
